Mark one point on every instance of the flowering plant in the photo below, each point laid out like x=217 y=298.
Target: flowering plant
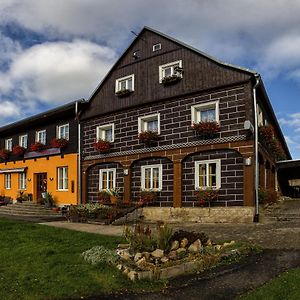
x=208 y=195
x=123 y=93
x=104 y=197
x=147 y=197
x=18 y=150
x=206 y=129
x=148 y=137
x=4 y=154
x=37 y=147
x=59 y=143
x=266 y=133
x=102 y=146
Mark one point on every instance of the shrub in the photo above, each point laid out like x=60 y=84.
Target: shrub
x=100 y=254
x=267 y=196
x=164 y=236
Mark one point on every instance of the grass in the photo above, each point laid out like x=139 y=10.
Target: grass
x=41 y=262
x=286 y=287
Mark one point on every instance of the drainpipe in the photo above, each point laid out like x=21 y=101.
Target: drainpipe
x=79 y=155
x=256 y=175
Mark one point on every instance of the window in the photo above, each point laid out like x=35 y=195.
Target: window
x=107 y=179
x=149 y=123
x=23 y=140
x=106 y=132
x=8 y=144
x=168 y=70
x=151 y=177
x=62 y=178
x=208 y=174
x=156 y=47
x=125 y=83
x=260 y=116
x=7 y=181
x=41 y=137
x=63 y=132
x=22 y=181
x=205 y=112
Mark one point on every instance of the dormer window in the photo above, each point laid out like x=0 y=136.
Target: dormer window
x=40 y=137
x=8 y=144
x=63 y=131
x=156 y=47
x=170 y=72
x=124 y=85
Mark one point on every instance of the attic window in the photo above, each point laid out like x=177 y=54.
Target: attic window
x=156 y=47
x=171 y=72
x=124 y=85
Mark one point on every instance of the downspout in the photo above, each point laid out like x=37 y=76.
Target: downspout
x=256 y=175
x=79 y=155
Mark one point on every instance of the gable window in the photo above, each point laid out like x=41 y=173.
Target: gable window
x=7 y=181
x=149 y=123
x=63 y=131
x=260 y=116
x=156 y=47
x=151 y=177
x=22 y=181
x=23 y=140
x=107 y=179
x=8 y=144
x=62 y=178
x=40 y=137
x=170 y=70
x=125 y=84
x=205 y=112
x=208 y=174
x=105 y=132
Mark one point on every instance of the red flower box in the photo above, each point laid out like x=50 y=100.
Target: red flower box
x=208 y=195
x=206 y=129
x=37 y=147
x=147 y=197
x=59 y=143
x=18 y=150
x=4 y=154
x=149 y=137
x=102 y=146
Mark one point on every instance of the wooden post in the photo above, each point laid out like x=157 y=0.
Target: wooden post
x=84 y=187
x=177 y=188
x=249 y=195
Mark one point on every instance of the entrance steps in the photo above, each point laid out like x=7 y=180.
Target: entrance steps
x=29 y=210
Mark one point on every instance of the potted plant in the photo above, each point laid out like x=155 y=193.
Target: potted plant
x=149 y=138
x=4 y=154
x=206 y=129
x=147 y=197
x=123 y=93
x=37 y=147
x=59 y=143
x=104 y=197
x=207 y=195
x=102 y=146
x=171 y=79
x=18 y=150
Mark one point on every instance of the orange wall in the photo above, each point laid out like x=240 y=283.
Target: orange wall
x=42 y=165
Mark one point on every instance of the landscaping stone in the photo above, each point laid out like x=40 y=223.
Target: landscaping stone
x=132 y=275
x=174 y=245
x=140 y=263
x=218 y=247
x=125 y=254
x=120 y=267
x=184 y=242
x=137 y=256
x=195 y=247
x=146 y=255
x=126 y=271
x=123 y=246
x=173 y=255
x=164 y=259
x=181 y=251
x=228 y=244
x=158 y=253
x=209 y=243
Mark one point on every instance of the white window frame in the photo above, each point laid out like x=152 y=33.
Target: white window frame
x=7 y=181
x=218 y=173
x=101 y=172
x=64 y=179
x=195 y=109
x=172 y=64
x=125 y=78
x=8 y=144
x=156 y=47
x=143 y=171
x=100 y=131
x=22 y=181
x=37 y=138
x=58 y=131
x=142 y=122
x=23 y=140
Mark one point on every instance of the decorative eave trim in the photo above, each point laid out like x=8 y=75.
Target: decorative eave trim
x=170 y=147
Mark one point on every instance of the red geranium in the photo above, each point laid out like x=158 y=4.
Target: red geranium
x=4 y=154
x=102 y=146
x=38 y=147
x=18 y=150
x=59 y=143
x=206 y=129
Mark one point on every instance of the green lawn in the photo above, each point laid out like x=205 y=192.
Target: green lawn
x=41 y=262
x=286 y=286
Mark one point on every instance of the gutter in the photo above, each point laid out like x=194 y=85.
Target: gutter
x=256 y=173
x=79 y=155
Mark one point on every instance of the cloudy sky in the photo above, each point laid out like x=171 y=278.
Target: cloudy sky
x=57 y=51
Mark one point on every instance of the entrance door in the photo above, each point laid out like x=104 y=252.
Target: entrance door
x=41 y=184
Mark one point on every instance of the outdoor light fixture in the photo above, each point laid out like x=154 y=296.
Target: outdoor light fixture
x=51 y=178
x=248 y=161
x=125 y=171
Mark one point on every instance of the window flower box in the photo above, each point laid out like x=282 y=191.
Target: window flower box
x=147 y=197
x=59 y=143
x=171 y=79
x=206 y=130
x=123 y=93
x=4 y=154
x=206 y=196
x=18 y=150
x=149 y=138
x=37 y=147
x=102 y=146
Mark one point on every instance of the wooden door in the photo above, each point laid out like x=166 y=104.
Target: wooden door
x=41 y=184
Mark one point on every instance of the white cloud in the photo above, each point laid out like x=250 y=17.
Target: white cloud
x=9 y=109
